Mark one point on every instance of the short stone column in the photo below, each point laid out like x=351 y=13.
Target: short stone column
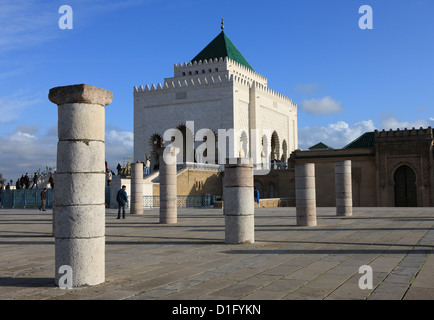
x=136 y=203
x=344 y=195
x=168 y=186
x=305 y=200
x=80 y=183
x=238 y=197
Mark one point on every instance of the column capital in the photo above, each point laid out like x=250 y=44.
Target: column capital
x=80 y=93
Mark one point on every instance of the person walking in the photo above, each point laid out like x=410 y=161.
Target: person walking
x=148 y=166
x=43 y=199
x=109 y=177
x=256 y=194
x=119 y=168
x=122 y=199
x=35 y=181
x=22 y=182
x=51 y=180
x=27 y=181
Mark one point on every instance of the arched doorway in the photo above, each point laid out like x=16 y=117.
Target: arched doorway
x=405 y=187
x=275 y=147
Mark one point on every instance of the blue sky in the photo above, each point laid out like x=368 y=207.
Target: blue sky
x=345 y=80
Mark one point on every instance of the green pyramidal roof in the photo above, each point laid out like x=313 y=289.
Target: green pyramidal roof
x=320 y=146
x=221 y=47
x=366 y=140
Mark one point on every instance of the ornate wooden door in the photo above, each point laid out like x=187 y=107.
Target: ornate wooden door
x=405 y=187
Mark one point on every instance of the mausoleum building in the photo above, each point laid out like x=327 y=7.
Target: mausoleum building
x=217 y=90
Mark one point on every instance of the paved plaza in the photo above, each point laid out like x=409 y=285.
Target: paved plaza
x=189 y=260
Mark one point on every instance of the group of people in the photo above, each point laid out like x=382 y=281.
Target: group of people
x=26 y=183
x=146 y=167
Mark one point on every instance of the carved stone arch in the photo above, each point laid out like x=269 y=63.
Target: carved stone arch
x=244 y=144
x=396 y=163
x=272 y=190
x=275 y=146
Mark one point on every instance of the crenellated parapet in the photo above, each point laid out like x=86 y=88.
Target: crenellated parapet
x=227 y=65
x=209 y=62
x=404 y=133
x=273 y=93
x=173 y=83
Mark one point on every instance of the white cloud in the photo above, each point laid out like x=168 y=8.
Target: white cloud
x=325 y=105
x=25 y=23
x=13 y=105
x=119 y=145
x=335 y=135
x=28 y=149
x=391 y=122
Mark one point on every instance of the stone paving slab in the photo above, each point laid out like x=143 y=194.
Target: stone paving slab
x=190 y=261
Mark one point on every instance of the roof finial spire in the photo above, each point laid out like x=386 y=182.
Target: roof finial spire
x=223 y=25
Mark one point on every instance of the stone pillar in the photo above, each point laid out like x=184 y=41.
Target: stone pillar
x=305 y=200
x=168 y=186
x=344 y=195
x=80 y=183
x=136 y=206
x=239 y=207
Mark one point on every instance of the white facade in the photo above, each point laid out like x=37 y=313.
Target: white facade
x=218 y=94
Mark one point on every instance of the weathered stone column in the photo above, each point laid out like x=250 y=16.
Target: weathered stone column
x=80 y=183
x=53 y=201
x=136 y=188
x=344 y=195
x=305 y=200
x=168 y=186
x=239 y=207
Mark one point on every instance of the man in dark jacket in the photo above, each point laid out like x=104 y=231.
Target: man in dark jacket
x=35 y=180
x=26 y=181
x=122 y=199
x=43 y=199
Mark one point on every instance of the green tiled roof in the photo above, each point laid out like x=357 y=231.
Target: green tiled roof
x=366 y=140
x=320 y=146
x=221 y=47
